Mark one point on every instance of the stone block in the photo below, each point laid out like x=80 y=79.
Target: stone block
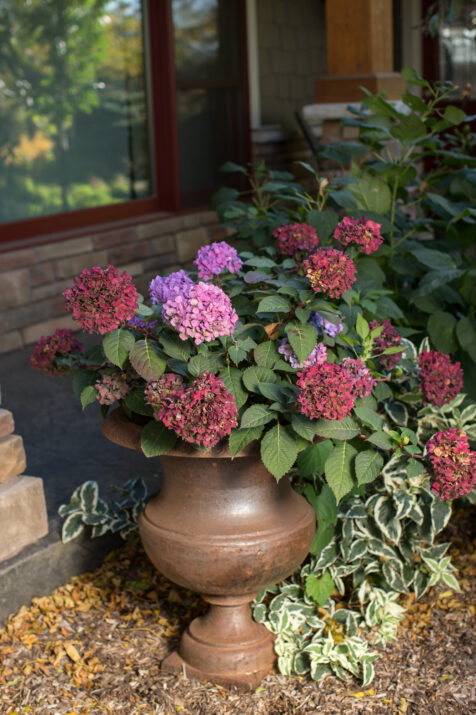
x=50 y=290
x=188 y=243
x=14 y=288
x=164 y=244
x=17 y=259
x=7 y=424
x=10 y=341
x=25 y=315
x=42 y=273
x=158 y=228
x=64 y=248
x=114 y=238
x=12 y=457
x=75 y=264
x=34 y=332
x=23 y=517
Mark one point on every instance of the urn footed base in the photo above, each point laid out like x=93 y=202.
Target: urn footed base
x=225 y=646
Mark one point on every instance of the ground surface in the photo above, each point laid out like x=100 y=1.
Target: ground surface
x=95 y=645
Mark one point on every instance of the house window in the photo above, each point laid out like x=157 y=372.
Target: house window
x=111 y=109
x=457 y=48
x=74 y=129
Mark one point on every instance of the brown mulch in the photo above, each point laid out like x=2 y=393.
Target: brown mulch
x=95 y=646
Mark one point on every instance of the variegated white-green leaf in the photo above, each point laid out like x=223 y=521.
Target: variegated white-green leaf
x=73 y=526
x=384 y=515
x=89 y=495
x=440 y=514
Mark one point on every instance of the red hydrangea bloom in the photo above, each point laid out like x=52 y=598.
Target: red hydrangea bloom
x=453 y=462
x=295 y=237
x=388 y=338
x=47 y=349
x=101 y=299
x=202 y=413
x=440 y=379
x=156 y=390
x=325 y=391
x=360 y=373
x=330 y=271
x=361 y=231
x=111 y=388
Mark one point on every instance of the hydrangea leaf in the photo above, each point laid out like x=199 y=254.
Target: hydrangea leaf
x=312 y=460
x=368 y=465
x=320 y=589
x=274 y=304
x=156 y=439
x=146 y=360
x=303 y=339
x=88 y=395
x=240 y=438
x=257 y=415
x=266 y=354
x=278 y=451
x=253 y=376
x=337 y=429
x=231 y=377
x=338 y=469
x=117 y=345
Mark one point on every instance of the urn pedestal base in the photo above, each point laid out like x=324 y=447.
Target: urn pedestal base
x=225 y=646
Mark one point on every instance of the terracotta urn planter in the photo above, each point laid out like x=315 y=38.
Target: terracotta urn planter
x=225 y=528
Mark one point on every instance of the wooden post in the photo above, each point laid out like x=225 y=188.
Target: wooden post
x=359 y=51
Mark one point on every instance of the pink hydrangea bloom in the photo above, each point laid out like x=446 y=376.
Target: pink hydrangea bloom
x=296 y=237
x=317 y=356
x=101 y=299
x=156 y=390
x=216 y=258
x=202 y=413
x=164 y=288
x=325 y=391
x=361 y=231
x=440 y=379
x=203 y=314
x=388 y=338
x=111 y=388
x=453 y=462
x=330 y=271
x=360 y=374
x=47 y=349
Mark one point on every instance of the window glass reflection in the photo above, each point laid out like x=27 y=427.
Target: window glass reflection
x=457 y=47
x=73 y=106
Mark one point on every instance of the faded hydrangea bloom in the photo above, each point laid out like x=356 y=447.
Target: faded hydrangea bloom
x=214 y=259
x=295 y=238
x=58 y=345
x=203 y=314
x=101 y=299
x=164 y=288
x=388 y=338
x=156 y=390
x=317 y=356
x=111 y=388
x=201 y=414
x=453 y=462
x=363 y=232
x=325 y=391
x=440 y=379
x=330 y=271
x=359 y=372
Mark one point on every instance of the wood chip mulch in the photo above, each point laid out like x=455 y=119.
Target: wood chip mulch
x=95 y=646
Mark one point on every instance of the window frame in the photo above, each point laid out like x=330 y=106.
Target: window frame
x=166 y=200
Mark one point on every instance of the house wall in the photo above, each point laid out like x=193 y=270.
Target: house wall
x=292 y=54
x=32 y=279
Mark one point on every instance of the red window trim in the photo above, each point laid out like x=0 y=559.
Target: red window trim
x=165 y=149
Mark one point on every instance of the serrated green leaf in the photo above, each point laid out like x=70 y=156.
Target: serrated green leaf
x=240 y=438
x=255 y=375
x=303 y=426
x=231 y=377
x=441 y=329
x=380 y=439
x=146 y=360
x=257 y=415
x=156 y=439
x=266 y=354
x=174 y=347
x=82 y=379
x=88 y=395
x=117 y=345
x=337 y=429
x=303 y=339
x=320 y=589
x=278 y=451
x=201 y=363
x=338 y=469
x=362 y=326
x=369 y=416
x=135 y=401
x=274 y=304
x=313 y=458
x=236 y=354
x=368 y=465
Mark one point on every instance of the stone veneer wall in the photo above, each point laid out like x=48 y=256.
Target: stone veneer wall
x=32 y=279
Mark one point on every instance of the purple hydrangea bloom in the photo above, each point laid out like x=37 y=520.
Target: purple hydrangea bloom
x=163 y=288
x=216 y=258
x=325 y=326
x=317 y=357
x=137 y=322
x=204 y=313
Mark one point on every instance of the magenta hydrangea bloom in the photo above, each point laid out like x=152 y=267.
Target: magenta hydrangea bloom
x=214 y=259
x=203 y=413
x=325 y=326
x=156 y=390
x=296 y=237
x=316 y=357
x=388 y=338
x=111 y=388
x=325 y=391
x=453 y=462
x=203 y=314
x=48 y=348
x=361 y=231
x=440 y=379
x=360 y=374
x=330 y=271
x=101 y=299
x=164 y=288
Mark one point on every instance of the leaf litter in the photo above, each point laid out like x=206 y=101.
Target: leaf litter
x=95 y=645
